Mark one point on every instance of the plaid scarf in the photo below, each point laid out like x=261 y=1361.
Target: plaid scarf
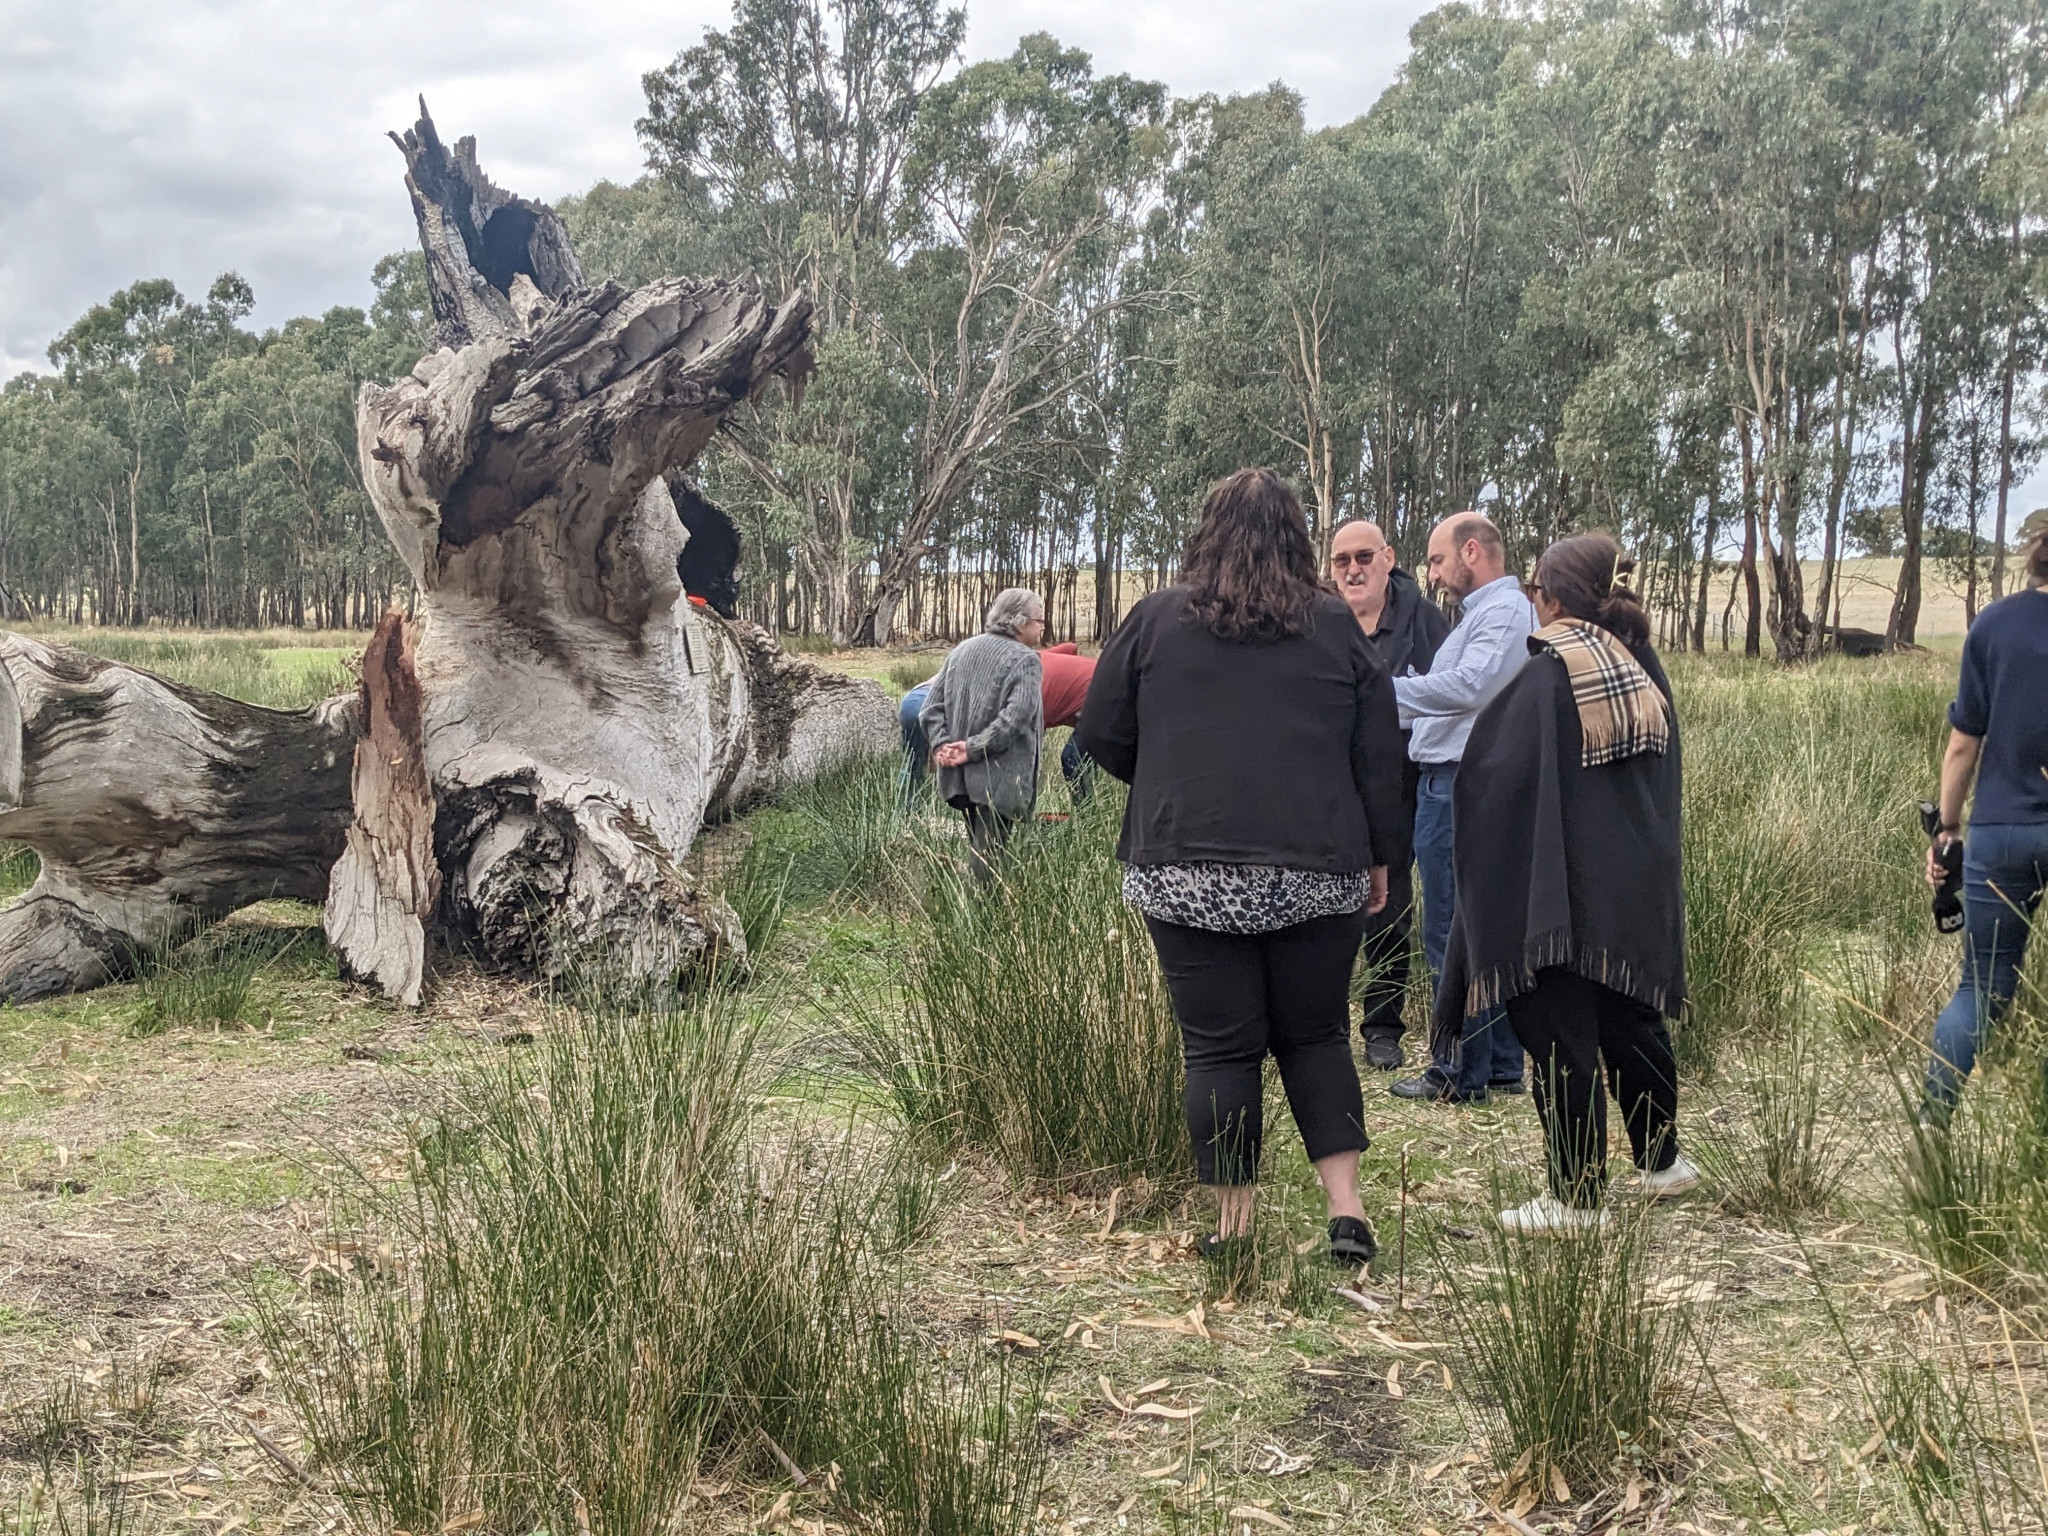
x=1621 y=712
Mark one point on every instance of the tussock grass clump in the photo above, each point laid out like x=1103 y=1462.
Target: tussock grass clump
x=1975 y=1189
x=907 y=674
x=1580 y=1351
x=80 y=1436
x=209 y=982
x=1034 y=1023
x=1952 y=1429
x=838 y=837
x=1780 y=1152
x=595 y=1286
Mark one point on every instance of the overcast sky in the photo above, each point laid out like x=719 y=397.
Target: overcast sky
x=180 y=138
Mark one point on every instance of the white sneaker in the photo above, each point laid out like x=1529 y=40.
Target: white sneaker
x=1681 y=1176
x=1548 y=1216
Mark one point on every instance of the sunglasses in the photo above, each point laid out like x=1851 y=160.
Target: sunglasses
x=1365 y=557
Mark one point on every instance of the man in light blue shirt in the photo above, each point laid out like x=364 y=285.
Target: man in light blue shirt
x=1468 y=559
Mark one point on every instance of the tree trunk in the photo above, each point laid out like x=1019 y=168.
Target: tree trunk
x=1752 y=639
x=577 y=719
x=1707 y=537
x=1916 y=456
x=525 y=771
x=382 y=892
x=154 y=807
x=2005 y=390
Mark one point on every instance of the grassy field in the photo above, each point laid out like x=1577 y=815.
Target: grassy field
x=893 y=1233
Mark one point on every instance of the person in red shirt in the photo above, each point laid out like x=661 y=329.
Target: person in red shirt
x=1065 y=674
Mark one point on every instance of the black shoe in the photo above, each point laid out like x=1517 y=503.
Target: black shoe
x=1351 y=1242
x=1508 y=1085
x=1433 y=1085
x=1383 y=1050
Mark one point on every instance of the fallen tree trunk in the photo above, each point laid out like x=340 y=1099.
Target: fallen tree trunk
x=525 y=770
x=153 y=808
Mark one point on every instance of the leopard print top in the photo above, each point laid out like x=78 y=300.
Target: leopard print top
x=1240 y=898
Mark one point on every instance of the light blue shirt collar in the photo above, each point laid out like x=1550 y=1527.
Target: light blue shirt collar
x=1494 y=591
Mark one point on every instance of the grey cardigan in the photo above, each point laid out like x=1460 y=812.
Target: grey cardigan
x=988 y=695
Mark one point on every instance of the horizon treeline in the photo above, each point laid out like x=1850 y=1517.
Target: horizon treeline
x=1739 y=282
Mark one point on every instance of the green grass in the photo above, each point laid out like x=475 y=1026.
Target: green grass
x=605 y=1276
x=1581 y=1352
x=271 y=669
x=1779 y=1152
x=18 y=869
x=1800 y=830
x=211 y=981
x=1034 y=1024
x=908 y=673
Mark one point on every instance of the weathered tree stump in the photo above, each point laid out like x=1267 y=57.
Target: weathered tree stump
x=526 y=767
x=577 y=718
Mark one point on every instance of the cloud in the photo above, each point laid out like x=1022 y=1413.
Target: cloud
x=181 y=138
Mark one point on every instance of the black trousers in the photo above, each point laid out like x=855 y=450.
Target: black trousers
x=1384 y=957
x=1239 y=997
x=1570 y=1027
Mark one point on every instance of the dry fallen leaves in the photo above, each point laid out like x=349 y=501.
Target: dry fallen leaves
x=1162 y=1411
x=1262 y=1516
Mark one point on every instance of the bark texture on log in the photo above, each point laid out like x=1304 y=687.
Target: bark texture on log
x=480 y=240
x=383 y=890
x=153 y=807
x=568 y=725
x=525 y=772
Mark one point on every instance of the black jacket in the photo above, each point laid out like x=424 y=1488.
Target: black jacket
x=1411 y=626
x=1285 y=754
x=1559 y=864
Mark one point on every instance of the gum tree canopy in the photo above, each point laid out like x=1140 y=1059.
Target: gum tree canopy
x=525 y=766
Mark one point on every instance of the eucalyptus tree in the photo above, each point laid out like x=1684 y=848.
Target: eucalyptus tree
x=1281 y=303
x=785 y=139
x=1027 y=173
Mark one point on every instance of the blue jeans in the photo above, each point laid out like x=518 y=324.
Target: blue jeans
x=917 y=752
x=2005 y=869
x=1489 y=1051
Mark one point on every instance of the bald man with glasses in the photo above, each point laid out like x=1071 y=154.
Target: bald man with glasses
x=1406 y=628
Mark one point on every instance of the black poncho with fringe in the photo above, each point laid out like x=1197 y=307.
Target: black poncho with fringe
x=1559 y=864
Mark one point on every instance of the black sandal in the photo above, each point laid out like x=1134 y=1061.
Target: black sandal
x=1352 y=1242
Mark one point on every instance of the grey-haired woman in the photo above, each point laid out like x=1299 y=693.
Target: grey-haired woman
x=986 y=713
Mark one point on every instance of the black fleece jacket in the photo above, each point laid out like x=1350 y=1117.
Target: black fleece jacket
x=1411 y=626
x=1286 y=753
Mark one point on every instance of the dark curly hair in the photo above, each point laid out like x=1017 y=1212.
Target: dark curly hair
x=1250 y=568
x=1586 y=576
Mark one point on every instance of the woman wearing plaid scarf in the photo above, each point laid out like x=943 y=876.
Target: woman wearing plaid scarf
x=1571 y=907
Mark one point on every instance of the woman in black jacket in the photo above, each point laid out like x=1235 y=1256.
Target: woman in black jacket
x=1258 y=732
x=1571 y=901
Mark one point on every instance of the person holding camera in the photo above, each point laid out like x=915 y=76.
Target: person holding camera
x=1998 y=736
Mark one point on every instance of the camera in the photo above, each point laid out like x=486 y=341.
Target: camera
x=1948 y=896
